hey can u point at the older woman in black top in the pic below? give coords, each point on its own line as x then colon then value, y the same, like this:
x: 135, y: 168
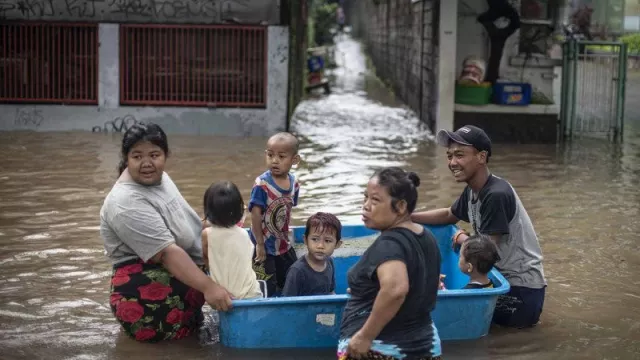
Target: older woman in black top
x: 395, y: 283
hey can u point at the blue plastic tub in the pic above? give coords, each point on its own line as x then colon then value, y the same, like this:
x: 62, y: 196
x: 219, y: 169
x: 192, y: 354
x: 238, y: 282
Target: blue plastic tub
x: 314, y: 321
x: 315, y: 63
x: 512, y: 93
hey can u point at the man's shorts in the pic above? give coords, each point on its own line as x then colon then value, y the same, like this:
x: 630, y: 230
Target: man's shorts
x: 520, y: 307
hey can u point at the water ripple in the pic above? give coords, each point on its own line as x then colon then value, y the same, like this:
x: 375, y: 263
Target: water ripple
x: 583, y: 199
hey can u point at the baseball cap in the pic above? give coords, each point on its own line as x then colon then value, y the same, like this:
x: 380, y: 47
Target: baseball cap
x: 468, y: 135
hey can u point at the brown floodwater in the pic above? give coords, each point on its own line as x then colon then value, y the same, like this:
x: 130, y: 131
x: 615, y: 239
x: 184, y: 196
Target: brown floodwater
x: 583, y: 199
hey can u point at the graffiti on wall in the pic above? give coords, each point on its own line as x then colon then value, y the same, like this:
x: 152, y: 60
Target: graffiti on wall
x: 172, y: 9
x: 27, y: 8
x: 117, y: 125
x: 206, y: 11
x: 30, y: 118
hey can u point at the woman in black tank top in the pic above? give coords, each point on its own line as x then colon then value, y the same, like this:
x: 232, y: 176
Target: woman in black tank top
x: 395, y: 283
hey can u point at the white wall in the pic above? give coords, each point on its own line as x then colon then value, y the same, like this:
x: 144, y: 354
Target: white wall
x: 447, y: 52
x: 472, y: 38
x: 109, y: 115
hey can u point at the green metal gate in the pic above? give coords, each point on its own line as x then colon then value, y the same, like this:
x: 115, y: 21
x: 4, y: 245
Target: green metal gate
x: 593, y: 89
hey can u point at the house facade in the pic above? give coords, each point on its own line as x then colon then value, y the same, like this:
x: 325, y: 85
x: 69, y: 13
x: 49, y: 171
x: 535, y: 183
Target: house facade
x: 191, y: 66
x: 420, y: 46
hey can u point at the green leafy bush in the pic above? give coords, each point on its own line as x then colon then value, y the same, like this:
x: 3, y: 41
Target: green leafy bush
x: 633, y: 43
x: 324, y: 19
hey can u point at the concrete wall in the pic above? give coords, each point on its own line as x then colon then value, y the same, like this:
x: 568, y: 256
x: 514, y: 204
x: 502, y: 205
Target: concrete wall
x: 144, y: 11
x: 109, y: 116
x: 512, y: 127
x: 401, y: 37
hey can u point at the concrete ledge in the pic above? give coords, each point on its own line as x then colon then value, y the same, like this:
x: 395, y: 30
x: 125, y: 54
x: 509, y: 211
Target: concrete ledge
x: 513, y: 128
x: 506, y: 109
x: 535, y: 62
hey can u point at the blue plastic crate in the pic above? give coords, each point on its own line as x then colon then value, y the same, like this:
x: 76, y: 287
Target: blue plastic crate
x: 314, y: 321
x: 512, y: 93
x: 315, y: 63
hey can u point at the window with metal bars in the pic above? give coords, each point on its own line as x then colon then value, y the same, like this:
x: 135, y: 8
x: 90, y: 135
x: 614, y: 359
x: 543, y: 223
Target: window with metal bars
x: 193, y: 65
x: 49, y: 63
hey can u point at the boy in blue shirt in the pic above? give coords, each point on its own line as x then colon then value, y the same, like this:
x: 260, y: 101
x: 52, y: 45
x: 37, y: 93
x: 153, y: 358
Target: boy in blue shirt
x: 273, y: 195
x: 314, y: 273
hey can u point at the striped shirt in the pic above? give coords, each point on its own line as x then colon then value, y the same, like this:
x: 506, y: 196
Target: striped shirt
x: 276, y: 204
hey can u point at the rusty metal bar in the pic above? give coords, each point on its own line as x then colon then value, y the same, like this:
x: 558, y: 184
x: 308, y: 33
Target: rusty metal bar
x: 174, y: 66
x: 194, y: 65
x: 254, y: 71
x: 135, y: 73
x: 235, y: 79
x: 47, y: 62
x: 5, y: 43
x: 124, y: 61
x: 164, y: 83
x: 143, y: 58
x: 86, y: 88
x: 250, y: 72
x: 180, y: 65
x: 64, y: 67
x: 5, y: 60
x: 72, y: 61
x: 215, y: 56
x: 150, y: 72
x: 224, y: 96
x: 265, y: 57
x: 193, y: 68
x: 59, y: 78
x: 93, y: 65
x: 243, y: 55
x: 209, y: 61
x: 11, y: 65
x: 20, y: 77
x: 156, y: 57
x: 188, y: 66
x: 202, y: 69
x: 148, y: 65
x: 31, y: 76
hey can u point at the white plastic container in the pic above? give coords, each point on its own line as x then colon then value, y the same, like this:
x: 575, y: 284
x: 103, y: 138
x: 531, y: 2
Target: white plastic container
x: 473, y: 70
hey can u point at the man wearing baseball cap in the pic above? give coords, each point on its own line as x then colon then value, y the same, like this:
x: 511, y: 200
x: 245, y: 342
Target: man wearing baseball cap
x: 492, y: 207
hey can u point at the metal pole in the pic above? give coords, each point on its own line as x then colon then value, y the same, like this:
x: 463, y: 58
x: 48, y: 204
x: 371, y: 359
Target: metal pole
x: 421, y: 61
x: 622, y: 80
x: 563, y: 91
x: 575, y: 48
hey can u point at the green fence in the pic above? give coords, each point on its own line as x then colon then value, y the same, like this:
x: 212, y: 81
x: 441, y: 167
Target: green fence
x: 593, y: 89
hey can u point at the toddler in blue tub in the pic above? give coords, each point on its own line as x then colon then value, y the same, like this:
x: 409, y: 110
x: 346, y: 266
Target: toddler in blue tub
x: 478, y: 254
x: 314, y: 273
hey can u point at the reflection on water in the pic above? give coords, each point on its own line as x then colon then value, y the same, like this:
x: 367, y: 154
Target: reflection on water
x: 583, y: 200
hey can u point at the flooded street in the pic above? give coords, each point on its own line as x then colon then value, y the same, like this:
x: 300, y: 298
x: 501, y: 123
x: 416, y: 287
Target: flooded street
x: 583, y: 199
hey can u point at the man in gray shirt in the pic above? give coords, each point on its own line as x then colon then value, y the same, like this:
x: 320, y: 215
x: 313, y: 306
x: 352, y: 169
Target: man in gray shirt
x: 493, y: 208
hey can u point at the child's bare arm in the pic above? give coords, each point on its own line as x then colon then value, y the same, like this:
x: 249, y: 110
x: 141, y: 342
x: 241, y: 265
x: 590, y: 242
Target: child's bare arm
x: 256, y: 229
x: 205, y: 249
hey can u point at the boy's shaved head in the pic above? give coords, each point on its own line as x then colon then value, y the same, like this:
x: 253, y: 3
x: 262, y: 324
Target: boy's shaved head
x: 287, y: 138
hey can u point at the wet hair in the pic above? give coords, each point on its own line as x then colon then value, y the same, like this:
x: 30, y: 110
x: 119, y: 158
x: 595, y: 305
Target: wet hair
x: 401, y: 185
x: 223, y: 204
x: 481, y: 252
x: 323, y: 222
x: 150, y: 132
x: 289, y: 138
